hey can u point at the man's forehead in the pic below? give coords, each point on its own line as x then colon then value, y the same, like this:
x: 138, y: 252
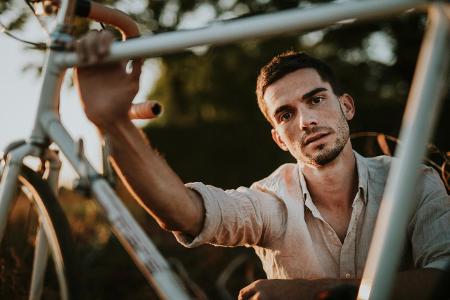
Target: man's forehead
x: 293, y: 86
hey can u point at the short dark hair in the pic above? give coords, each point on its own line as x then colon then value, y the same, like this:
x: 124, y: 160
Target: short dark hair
x: 288, y: 62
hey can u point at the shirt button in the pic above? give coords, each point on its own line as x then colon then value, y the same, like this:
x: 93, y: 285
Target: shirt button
x: 348, y: 276
x: 330, y: 233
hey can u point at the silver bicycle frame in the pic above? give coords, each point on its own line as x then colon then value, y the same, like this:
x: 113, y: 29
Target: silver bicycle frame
x: 418, y: 123
x: 416, y: 129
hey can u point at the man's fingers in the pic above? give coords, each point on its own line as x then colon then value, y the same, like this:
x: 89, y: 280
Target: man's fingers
x: 86, y: 48
x: 91, y: 41
x: 132, y: 67
x: 136, y: 68
x: 105, y: 39
x: 80, y: 49
x: 247, y: 292
x: 94, y: 46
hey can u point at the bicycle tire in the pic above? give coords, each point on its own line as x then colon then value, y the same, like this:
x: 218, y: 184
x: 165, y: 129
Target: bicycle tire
x: 45, y: 207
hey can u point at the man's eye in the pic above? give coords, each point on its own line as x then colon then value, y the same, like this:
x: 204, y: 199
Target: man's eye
x: 285, y: 116
x: 317, y: 99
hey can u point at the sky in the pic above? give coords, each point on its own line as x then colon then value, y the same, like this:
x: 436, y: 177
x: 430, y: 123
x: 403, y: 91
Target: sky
x: 19, y: 92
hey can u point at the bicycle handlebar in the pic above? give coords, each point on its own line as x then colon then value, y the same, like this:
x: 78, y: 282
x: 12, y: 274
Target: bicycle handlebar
x: 124, y: 23
x: 104, y: 14
x: 145, y: 110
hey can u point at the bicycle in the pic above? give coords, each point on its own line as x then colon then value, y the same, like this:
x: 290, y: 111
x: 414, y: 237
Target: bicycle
x: 377, y: 279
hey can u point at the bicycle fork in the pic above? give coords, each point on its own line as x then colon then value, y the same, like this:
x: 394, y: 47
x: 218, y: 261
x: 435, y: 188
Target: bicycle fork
x: 8, y: 192
x: 41, y: 251
x: 8, y: 183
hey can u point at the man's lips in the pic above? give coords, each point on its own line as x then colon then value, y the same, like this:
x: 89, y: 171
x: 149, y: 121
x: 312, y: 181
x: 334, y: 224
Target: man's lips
x: 314, y: 137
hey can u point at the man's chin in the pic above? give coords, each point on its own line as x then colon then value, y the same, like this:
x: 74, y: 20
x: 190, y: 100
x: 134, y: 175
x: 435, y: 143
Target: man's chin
x: 325, y: 159
x: 322, y: 157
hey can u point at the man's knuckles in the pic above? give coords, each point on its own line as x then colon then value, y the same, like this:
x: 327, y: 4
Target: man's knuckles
x: 260, y: 283
x: 94, y: 45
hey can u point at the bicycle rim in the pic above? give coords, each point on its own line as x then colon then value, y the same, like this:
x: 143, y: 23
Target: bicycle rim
x: 36, y: 204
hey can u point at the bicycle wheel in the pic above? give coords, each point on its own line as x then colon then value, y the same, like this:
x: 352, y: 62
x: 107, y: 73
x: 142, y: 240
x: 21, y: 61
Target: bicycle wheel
x: 35, y: 211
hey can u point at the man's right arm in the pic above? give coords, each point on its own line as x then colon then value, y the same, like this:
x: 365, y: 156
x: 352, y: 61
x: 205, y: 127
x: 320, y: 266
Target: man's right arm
x: 154, y: 184
x: 107, y: 92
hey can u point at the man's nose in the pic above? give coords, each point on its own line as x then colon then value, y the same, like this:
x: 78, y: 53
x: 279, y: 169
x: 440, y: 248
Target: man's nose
x: 307, y: 120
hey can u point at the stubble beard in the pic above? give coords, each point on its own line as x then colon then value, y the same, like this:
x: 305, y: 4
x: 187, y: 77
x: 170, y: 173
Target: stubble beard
x: 324, y: 155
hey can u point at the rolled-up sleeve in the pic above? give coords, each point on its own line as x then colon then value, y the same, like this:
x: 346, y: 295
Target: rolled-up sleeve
x: 430, y: 227
x: 241, y: 217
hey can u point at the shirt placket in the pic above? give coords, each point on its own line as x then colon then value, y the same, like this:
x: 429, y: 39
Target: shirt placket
x: 347, y: 268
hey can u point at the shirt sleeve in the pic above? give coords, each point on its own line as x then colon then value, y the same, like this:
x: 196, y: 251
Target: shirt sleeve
x: 241, y: 217
x: 430, y: 226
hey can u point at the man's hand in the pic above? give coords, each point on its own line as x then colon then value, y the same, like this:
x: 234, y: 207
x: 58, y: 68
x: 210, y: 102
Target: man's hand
x: 423, y: 284
x: 272, y: 289
x: 106, y: 90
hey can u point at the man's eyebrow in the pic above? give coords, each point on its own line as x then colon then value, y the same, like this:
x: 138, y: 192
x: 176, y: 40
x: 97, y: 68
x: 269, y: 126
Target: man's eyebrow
x: 280, y: 109
x: 313, y: 92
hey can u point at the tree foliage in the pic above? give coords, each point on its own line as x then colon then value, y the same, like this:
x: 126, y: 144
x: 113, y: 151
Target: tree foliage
x: 375, y: 60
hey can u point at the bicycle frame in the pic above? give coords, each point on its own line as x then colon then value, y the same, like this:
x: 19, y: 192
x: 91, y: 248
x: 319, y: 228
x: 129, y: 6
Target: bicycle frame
x: 420, y: 117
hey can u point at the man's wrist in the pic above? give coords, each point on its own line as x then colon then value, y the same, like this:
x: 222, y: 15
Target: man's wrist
x: 114, y: 127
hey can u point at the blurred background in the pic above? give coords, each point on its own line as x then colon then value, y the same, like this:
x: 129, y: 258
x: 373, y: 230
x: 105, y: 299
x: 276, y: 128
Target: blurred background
x: 211, y: 129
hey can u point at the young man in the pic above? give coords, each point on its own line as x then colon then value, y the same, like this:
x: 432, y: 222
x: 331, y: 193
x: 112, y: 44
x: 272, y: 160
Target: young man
x: 311, y: 222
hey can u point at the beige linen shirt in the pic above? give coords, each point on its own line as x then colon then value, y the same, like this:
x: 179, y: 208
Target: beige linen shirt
x: 277, y: 217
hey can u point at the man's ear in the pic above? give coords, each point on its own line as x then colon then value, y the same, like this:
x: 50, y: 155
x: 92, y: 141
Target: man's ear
x: 276, y: 137
x: 347, y: 106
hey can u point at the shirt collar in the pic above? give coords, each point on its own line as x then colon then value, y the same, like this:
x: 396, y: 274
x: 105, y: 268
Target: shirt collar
x: 361, y: 166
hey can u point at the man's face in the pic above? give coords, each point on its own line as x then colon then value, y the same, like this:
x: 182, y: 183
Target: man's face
x: 309, y: 120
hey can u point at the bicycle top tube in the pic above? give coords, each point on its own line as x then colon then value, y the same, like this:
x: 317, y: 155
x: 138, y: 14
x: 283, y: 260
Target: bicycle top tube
x: 292, y: 20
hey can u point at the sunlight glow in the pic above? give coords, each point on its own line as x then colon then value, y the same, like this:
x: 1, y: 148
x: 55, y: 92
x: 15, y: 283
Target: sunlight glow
x: 380, y: 47
x: 364, y: 290
x: 199, y: 17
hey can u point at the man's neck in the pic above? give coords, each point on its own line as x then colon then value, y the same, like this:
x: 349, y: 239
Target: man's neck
x: 335, y: 184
